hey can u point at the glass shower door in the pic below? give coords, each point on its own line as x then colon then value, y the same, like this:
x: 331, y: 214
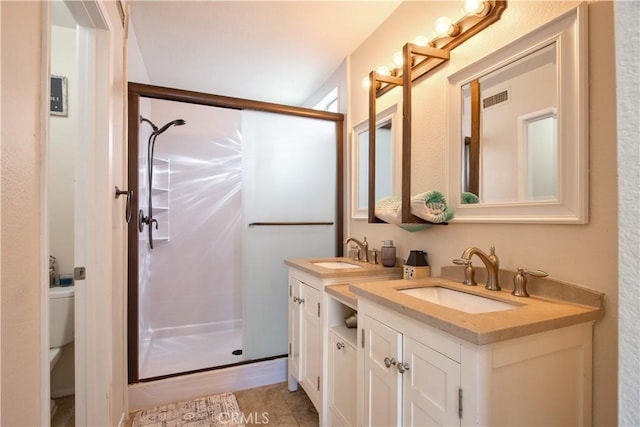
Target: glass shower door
x: 289, y: 177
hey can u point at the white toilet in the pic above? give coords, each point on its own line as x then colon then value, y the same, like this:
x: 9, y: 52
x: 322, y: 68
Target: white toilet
x: 60, y: 321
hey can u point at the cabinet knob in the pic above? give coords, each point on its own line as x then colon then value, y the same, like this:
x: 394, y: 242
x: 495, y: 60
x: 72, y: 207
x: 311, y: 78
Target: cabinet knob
x: 388, y: 362
x: 300, y: 300
x: 295, y: 299
x: 340, y: 345
x: 403, y: 367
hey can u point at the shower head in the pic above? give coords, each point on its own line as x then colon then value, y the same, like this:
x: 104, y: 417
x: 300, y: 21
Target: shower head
x: 154, y: 127
x: 156, y: 131
x: 177, y: 122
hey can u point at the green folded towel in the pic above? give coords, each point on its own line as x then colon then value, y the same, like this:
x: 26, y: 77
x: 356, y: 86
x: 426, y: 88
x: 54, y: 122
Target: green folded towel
x: 431, y: 206
x: 389, y: 209
x: 469, y: 198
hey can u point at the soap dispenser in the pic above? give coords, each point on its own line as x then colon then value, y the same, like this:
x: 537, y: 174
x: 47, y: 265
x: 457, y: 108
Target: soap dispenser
x: 388, y: 253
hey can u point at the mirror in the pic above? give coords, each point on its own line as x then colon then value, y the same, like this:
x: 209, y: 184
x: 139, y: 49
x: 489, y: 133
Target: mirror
x: 515, y: 119
x: 518, y: 141
x: 386, y: 166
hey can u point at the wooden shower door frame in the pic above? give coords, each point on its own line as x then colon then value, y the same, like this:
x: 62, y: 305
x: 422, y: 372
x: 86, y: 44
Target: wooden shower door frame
x: 137, y: 90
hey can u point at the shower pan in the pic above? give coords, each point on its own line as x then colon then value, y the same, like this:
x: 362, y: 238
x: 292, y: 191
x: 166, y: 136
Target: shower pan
x: 233, y: 193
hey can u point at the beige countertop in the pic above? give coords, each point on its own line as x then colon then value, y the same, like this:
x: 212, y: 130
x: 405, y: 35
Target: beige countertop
x: 360, y: 268
x: 531, y: 315
x: 343, y: 293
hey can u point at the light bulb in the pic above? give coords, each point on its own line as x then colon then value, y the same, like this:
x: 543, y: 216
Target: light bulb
x: 383, y: 70
x: 443, y: 26
x: 398, y: 59
x: 474, y: 7
x: 420, y: 41
x: 366, y: 83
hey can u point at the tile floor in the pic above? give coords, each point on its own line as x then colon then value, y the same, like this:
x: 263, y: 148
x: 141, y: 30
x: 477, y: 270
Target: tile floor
x: 273, y: 405
x: 65, y: 415
x: 281, y: 407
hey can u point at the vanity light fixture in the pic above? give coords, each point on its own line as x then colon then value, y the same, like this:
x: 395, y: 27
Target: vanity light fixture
x: 477, y: 15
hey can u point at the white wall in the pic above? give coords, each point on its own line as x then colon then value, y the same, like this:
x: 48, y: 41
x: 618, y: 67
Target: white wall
x: 627, y: 15
x: 583, y: 254
x: 62, y: 153
x: 136, y: 68
x: 21, y: 265
x: 62, y: 156
x: 195, y: 277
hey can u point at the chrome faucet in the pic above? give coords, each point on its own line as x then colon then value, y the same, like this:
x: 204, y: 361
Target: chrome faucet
x: 491, y: 263
x: 364, y: 247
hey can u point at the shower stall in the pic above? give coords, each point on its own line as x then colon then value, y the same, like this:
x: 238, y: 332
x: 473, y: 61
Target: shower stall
x: 226, y: 190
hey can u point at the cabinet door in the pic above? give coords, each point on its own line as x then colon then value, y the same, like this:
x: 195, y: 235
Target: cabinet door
x: 430, y: 386
x: 311, y: 344
x: 294, y: 328
x: 382, y: 383
x: 342, y: 381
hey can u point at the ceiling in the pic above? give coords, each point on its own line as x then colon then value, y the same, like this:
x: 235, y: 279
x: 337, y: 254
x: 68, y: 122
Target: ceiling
x: 272, y: 51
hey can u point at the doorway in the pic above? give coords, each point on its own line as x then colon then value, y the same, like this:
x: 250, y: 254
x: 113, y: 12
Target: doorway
x: 63, y: 140
x: 93, y: 165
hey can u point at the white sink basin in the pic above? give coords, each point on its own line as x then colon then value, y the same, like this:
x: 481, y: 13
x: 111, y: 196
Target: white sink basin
x: 336, y: 265
x: 458, y: 300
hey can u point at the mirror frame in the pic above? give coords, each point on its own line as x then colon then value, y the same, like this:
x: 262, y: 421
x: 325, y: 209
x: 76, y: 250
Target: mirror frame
x: 570, y: 33
x: 393, y: 114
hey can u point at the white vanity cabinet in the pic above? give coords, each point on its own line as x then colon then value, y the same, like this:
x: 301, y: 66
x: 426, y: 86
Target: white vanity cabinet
x: 410, y: 374
x: 407, y: 382
x: 305, y: 337
x: 322, y: 349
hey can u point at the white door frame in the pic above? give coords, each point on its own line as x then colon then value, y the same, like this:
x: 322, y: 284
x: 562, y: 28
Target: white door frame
x: 101, y: 99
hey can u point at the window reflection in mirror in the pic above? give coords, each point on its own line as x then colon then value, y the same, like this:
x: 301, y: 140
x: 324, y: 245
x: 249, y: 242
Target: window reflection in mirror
x: 509, y: 131
x: 386, y: 159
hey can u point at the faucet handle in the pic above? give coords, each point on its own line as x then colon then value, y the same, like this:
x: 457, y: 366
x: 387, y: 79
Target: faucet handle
x: 356, y: 252
x: 374, y: 256
x: 520, y: 281
x: 536, y: 273
x: 469, y: 272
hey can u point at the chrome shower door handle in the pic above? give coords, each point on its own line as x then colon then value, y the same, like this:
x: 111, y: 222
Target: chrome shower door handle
x: 129, y: 194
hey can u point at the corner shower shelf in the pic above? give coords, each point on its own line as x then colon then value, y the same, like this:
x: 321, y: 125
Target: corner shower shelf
x: 160, y: 190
